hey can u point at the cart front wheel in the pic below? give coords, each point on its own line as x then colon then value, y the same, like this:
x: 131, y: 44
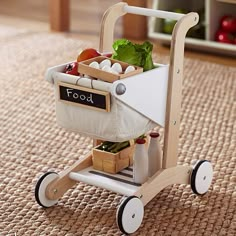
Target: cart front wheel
x: 40, y: 189
x: 201, y: 177
x: 130, y: 214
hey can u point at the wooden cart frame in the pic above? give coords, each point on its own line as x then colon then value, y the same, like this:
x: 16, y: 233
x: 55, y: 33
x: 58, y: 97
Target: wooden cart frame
x: 171, y: 173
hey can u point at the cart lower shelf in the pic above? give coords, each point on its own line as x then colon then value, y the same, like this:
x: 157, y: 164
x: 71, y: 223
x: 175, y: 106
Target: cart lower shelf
x: 51, y: 186
x: 121, y: 183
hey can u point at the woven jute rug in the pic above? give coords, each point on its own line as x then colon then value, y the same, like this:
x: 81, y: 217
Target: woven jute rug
x: 31, y: 144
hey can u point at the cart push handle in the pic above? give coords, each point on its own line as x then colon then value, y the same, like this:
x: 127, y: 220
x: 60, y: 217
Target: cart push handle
x: 152, y: 12
x: 186, y: 21
x: 175, y: 76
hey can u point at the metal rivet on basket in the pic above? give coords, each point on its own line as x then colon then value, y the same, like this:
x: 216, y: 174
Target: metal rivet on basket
x: 120, y: 89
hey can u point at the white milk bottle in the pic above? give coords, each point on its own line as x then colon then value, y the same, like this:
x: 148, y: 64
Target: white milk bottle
x: 154, y: 154
x: 140, y: 166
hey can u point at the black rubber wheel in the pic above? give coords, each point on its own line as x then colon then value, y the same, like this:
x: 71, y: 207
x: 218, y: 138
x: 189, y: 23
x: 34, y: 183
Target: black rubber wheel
x: 201, y: 177
x: 40, y: 189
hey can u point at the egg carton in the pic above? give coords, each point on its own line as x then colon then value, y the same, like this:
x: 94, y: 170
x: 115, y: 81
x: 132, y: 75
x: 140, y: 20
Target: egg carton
x: 107, y: 69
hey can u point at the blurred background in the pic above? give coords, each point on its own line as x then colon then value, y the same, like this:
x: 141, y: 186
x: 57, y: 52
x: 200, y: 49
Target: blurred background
x: 85, y: 15
x: 81, y: 19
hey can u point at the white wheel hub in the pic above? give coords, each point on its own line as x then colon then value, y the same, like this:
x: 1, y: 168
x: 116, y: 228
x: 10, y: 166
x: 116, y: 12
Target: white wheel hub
x: 132, y: 215
x: 44, y: 201
x: 203, y: 177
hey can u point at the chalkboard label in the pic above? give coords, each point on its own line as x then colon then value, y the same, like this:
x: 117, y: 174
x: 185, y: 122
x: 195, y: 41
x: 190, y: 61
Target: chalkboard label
x: 90, y: 98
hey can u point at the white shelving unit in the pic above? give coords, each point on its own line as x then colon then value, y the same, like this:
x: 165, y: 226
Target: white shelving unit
x: 213, y: 10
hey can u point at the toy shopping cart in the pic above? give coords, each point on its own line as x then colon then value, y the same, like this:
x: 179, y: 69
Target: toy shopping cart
x: 117, y: 114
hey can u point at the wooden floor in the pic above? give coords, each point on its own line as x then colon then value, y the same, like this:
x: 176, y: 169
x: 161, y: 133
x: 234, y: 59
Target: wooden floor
x: 85, y: 22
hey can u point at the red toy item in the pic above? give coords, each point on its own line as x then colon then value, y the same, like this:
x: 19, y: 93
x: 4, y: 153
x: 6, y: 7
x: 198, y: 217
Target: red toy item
x: 88, y: 53
x: 228, y: 24
x: 72, y: 69
x: 224, y: 37
x: 227, y: 30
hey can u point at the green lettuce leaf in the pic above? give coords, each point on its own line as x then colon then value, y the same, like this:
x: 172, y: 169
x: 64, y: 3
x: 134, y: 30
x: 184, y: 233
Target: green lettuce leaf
x: 135, y: 54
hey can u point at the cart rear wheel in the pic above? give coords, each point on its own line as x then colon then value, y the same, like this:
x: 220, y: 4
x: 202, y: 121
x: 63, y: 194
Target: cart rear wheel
x: 201, y: 177
x: 130, y: 214
x: 40, y: 189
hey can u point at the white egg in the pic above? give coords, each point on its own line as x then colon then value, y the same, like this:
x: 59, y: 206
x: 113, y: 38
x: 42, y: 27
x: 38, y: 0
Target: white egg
x: 105, y: 62
x: 94, y: 64
x: 114, y: 71
x: 129, y: 69
x: 117, y: 67
x: 107, y: 68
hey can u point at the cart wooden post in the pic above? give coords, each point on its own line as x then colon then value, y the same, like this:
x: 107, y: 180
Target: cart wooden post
x: 173, y: 106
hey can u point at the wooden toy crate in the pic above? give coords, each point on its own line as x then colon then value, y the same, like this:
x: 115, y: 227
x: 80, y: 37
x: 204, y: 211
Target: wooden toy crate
x: 112, y: 162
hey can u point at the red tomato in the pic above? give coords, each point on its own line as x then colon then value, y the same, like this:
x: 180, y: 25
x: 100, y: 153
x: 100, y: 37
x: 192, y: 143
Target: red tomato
x: 72, y: 69
x: 228, y: 24
x: 224, y: 37
x: 87, y: 54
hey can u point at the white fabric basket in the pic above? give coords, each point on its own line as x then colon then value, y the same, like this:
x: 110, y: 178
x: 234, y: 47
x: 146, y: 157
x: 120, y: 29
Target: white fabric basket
x: 120, y: 124
x: 130, y: 115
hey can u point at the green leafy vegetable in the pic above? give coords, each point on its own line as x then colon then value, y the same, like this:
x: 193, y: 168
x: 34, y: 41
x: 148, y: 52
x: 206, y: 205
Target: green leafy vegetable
x: 135, y: 54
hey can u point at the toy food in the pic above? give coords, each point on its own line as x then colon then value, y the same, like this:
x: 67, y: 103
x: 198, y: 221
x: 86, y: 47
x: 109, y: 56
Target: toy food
x: 94, y: 64
x: 87, y: 54
x: 226, y: 32
x: 107, y: 69
x: 105, y: 62
x: 114, y: 68
x: 113, y: 147
x: 129, y: 69
x: 134, y: 54
x: 224, y: 37
x: 72, y: 69
x: 117, y: 67
x: 228, y: 24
